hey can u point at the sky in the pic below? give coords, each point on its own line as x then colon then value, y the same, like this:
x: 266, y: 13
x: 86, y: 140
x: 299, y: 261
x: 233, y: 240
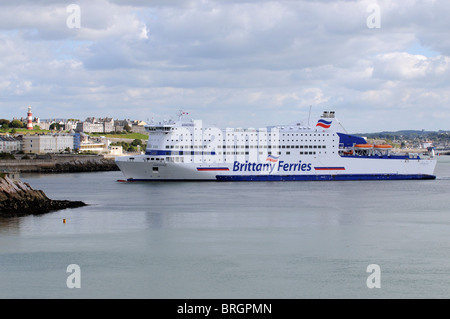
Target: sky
x: 380, y: 65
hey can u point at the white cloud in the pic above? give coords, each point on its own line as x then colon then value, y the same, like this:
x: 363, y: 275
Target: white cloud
x: 405, y: 66
x: 228, y: 61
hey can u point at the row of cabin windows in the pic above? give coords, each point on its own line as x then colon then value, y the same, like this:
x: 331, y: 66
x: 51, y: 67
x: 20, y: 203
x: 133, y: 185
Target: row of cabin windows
x: 247, y: 146
x: 247, y: 136
x: 232, y: 153
x: 269, y: 153
x: 177, y: 159
x: 275, y: 134
x: 247, y: 141
x: 247, y: 153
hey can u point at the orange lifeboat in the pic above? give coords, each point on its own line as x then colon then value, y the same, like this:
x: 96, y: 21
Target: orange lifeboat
x: 364, y: 146
x: 383, y: 146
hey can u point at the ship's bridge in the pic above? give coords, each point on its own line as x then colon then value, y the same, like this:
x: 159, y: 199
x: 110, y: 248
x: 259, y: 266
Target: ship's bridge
x: 158, y: 128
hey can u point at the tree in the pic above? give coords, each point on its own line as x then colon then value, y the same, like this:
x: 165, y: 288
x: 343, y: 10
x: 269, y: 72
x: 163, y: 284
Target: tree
x: 16, y: 124
x: 4, y: 121
x: 55, y: 126
x: 127, y: 128
x: 136, y: 142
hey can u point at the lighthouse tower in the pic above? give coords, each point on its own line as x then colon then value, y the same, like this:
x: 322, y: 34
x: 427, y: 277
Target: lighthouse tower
x: 29, y: 119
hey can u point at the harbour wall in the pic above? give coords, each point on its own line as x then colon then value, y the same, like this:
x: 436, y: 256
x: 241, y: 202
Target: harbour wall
x: 60, y: 163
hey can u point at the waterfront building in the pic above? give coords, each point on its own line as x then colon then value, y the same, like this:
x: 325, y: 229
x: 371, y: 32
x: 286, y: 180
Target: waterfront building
x: 85, y: 143
x: 48, y: 143
x: 96, y: 147
x: 76, y: 141
x: 9, y: 144
x: 427, y: 144
x: 116, y: 150
x: 139, y: 127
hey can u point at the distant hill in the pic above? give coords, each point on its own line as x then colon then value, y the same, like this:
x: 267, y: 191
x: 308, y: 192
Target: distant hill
x: 407, y: 134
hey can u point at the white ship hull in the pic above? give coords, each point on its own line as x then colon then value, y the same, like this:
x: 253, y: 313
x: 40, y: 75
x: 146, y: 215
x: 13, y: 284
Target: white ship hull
x: 141, y: 169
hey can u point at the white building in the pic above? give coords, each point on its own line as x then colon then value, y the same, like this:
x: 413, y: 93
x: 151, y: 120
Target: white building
x: 94, y: 125
x: 9, y: 144
x: 98, y: 147
x: 116, y: 150
x: 50, y: 143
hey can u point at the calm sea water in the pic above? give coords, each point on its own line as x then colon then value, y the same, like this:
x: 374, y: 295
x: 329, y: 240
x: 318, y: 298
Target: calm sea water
x: 231, y: 240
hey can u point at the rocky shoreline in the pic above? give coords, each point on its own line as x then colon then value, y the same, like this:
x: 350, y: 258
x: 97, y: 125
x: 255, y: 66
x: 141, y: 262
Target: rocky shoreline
x: 76, y: 166
x: 19, y: 199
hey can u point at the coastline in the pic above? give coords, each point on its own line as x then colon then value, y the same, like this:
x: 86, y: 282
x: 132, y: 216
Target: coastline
x: 60, y: 163
x: 18, y: 199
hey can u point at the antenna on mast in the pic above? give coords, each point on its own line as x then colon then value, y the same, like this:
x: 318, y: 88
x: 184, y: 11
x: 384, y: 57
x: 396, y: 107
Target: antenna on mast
x: 309, y: 116
x: 181, y: 113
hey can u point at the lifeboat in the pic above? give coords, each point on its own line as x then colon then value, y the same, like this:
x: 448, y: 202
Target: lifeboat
x: 363, y: 146
x: 383, y: 146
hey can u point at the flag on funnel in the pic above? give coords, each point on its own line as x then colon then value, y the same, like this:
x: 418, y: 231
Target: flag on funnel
x: 323, y: 123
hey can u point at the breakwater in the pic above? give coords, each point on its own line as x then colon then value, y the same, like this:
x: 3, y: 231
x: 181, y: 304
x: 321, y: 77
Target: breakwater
x: 60, y: 163
x: 19, y: 199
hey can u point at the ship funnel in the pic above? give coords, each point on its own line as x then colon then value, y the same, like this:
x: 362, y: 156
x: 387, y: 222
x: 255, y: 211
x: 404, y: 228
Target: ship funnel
x: 328, y: 114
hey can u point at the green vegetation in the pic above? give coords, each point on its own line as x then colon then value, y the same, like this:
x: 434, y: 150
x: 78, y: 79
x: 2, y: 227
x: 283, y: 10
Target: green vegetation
x: 17, y: 127
x: 14, y: 124
x: 127, y: 128
x: 33, y: 131
x: 131, y: 147
x: 6, y: 156
x: 55, y: 126
x: 138, y: 136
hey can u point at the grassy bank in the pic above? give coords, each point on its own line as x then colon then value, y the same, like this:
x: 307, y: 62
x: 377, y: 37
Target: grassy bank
x: 25, y: 131
x: 134, y: 136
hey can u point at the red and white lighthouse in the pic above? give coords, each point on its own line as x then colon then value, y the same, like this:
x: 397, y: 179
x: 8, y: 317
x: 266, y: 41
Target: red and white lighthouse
x: 29, y: 119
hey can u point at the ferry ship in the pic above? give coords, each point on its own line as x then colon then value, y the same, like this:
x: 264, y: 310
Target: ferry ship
x: 314, y: 150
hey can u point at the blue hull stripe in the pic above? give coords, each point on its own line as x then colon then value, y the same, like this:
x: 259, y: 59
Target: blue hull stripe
x: 340, y: 177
